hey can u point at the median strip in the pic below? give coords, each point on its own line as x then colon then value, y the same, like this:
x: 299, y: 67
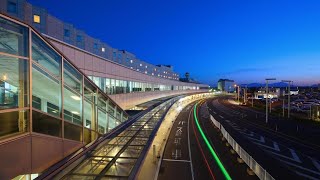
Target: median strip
x: 216, y: 158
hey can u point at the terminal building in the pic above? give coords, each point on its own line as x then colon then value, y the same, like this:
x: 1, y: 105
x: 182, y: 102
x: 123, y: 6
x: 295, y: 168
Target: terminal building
x: 61, y: 89
x: 226, y: 85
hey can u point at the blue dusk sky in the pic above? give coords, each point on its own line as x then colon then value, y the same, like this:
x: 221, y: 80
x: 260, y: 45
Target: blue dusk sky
x: 246, y: 41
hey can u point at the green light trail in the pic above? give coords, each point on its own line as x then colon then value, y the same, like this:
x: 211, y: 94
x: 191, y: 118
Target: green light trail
x: 216, y: 158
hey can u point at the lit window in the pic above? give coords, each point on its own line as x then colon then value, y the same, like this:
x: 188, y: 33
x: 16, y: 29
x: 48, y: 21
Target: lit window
x: 155, y: 69
x: 36, y: 18
x: 131, y: 61
x: 146, y: 72
x: 152, y: 74
x: 146, y: 66
x: 137, y: 69
x: 140, y: 64
x: 103, y: 49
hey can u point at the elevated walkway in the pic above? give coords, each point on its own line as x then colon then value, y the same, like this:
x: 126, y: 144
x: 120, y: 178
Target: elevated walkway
x: 117, y: 155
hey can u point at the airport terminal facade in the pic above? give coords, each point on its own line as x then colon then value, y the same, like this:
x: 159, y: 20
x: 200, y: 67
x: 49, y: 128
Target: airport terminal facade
x: 58, y: 94
x: 118, y: 72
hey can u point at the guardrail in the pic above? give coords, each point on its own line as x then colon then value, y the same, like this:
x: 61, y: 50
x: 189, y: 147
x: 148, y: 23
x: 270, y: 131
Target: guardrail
x: 249, y: 160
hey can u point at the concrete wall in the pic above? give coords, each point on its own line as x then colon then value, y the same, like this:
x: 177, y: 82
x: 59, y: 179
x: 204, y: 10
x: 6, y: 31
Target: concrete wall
x: 129, y: 100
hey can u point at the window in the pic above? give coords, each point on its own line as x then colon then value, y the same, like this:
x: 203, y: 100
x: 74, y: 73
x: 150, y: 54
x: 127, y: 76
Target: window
x: 47, y: 99
x: 103, y: 49
x: 66, y: 32
x: 36, y: 18
x: 13, y: 38
x: 95, y: 46
x: 12, y: 7
x: 13, y: 82
x: 43, y: 55
x: 131, y: 61
x: 79, y: 38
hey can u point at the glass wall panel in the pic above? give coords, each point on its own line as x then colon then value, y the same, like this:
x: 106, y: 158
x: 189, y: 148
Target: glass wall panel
x: 89, y: 90
x: 102, y: 102
x: 113, y: 85
x: 46, y: 124
x: 72, y: 106
x: 72, y: 131
x: 45, y: 56
x: 102, y: 121
x: 14, y: 82
x: 46, y: 92
x: 108, y: 87
x: 13, y: 38
x: 88, y: 115
x: 112, y: 122
x: 72, y: 77
x: 14, y: 122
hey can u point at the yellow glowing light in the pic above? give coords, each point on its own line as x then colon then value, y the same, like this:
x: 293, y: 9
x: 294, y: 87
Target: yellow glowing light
x: 4, y: 77
x: 36, y: 18
x: 77, y: 98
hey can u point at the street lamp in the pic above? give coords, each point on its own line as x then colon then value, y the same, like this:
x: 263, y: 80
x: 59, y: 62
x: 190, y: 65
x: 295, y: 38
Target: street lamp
x: 267, y: 80
x: 288, y: 81
x: 238, y: 92
x: 245, y: 94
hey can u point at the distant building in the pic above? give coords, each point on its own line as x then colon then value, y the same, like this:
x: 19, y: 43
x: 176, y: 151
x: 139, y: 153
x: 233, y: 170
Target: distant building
x: 187, y: 78
x: 226, y: 85
x: 272, y: 93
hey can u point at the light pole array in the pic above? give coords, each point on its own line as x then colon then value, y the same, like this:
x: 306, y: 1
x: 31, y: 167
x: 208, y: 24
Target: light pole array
x: 288, y: 81
x: 267, y: 80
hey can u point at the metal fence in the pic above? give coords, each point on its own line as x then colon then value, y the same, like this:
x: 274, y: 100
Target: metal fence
x: 249, y: 160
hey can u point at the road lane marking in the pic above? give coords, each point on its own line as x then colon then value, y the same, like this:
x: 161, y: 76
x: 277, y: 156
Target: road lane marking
x: 219, y: 163
x: 221, y: 116
x: 300, y: 167
x: 275, y: 146
x: 293, y: 158
x: 176, y: 160
x: 191, y: 166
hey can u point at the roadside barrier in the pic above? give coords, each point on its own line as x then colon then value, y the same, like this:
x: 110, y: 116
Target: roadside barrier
x: 249, y: 160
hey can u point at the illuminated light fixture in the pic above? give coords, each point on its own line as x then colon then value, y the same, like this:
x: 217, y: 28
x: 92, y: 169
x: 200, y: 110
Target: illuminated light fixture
x: 131, y: 67
x: 140, y: 64
x: 216, y: 158
x: 137, y: 69
x: 103, y: 49
x: 152, y: 74
x: 4, y: 77
x: 146, y: 72
x: 36, y: 18
x: 77, y: 98
x: 75, y: 112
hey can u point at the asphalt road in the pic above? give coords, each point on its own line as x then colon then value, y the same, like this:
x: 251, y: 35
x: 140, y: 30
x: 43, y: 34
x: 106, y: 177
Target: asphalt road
x: 297, y: 158
x: 186, y: 155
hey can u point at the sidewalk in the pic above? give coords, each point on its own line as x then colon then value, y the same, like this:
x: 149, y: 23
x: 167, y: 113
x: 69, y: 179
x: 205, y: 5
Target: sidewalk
x: 151, y: 165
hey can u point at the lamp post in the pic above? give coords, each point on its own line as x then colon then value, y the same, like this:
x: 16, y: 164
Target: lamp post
x: 238, y: 92
x: 288, y: 81
x: 267, y: 80
x: 245, y: 94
